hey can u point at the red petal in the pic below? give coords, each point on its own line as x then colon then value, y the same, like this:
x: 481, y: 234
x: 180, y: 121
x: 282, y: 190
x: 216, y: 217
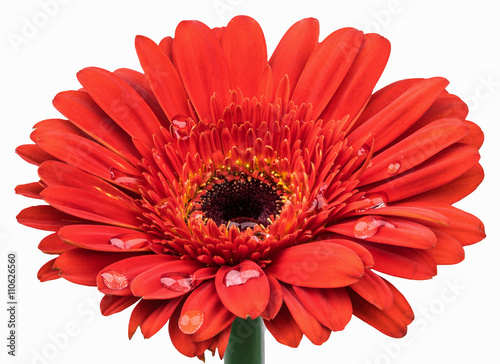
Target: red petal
x: 185, y: 343
x: 82, y: 111
x: 455, y: 190
x: 114, y: 304
x: 236, y: 284
x: 91, y: 206
x: 105, y: 238
x: 163, y: 78
x: 128, y: 269
x: 326, y: 69
x: 399, y: 114
x: 46, y: 218
x: 415, y: 149
x: 141, y: 311
x: 475, y: 136
x: 391, y: 231
x: 402, y: 262
x: 358, y: 84
x: 408, y: 212
x: 139, y: 83
x: 198, y: 56
x: 464, y: 227
x: 121, y: 102
x: 220, y: 342
x: 293, y: 52
x: 33, y: 154
x: 246, y: 53
x: 392, y: 321
x: 314, y: 331
x: 81, y: 266
x: 85, y: 154
x: 58, y: 174
x: 284, y: 328
x: 215, y: 317
x: 52, y: 244
x: 31, y: 190
x: 59, y: 125
x: 374, y: 290
x: 330, y: 306
x: 159, y: 317
x: 275, y: 299
x: 319, y: 265
x: 363, y: 254
x: 47, y: 272
x: 149, y: 286
x: 444, y: 167
x: 447, y: 250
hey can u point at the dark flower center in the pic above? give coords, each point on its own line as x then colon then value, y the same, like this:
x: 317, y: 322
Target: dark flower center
x: 245, y: 201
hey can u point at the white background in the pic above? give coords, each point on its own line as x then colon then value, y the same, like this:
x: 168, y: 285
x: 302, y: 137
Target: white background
x: 454, y: 39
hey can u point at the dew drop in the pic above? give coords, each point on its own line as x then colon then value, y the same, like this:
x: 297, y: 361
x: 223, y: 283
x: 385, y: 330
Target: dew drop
x: 124, y: 179
x: 240, y: 275
x: 243, y: 223
x: 177, y: 282
x: 114, y: 280
x: 129, y: 241
x: 368, y: 226
x: 363, y: 150
x: 191, y: 321
x: 393, y: 168
x: 319, y: 201
x: 373, y: 201
x: 180, y: 129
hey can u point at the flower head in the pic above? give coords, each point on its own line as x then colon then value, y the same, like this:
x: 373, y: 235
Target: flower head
x: 220, y: 184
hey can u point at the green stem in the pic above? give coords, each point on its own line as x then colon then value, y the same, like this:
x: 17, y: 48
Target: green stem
x: 246, y: 342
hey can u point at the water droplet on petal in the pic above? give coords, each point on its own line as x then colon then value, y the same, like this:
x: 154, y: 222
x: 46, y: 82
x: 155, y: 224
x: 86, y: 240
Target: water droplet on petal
x: 243, y: 223
x: 394, y: 168
x: 114, y: 280
x: 319, y: 202
x: 180, y: 128
x: 240, y: 275
x: 373, y: 201
x: 363, y: 150
x: 177, y: 282
x: 129, y: 241
x: 191, y: 321
x: 368, y: 226
x: 124, y: 179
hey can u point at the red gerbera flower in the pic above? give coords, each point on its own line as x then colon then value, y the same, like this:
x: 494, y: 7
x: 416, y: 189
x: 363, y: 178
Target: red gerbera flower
x: 220, y: 184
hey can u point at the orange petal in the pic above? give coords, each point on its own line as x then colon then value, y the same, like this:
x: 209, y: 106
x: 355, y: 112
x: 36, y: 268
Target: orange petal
x: 92, y: 206
x: 246, y: 54
x: 293, y: 52
x: 313, y: 330
x: 284, y: 328
x: 212, y: 317
x: 392, y: 321
x: 47, y: 272
x: 114, y: 304
x: 115, y: 279
x: 317, y: 264
x: 81, y: 266
x: 46, y: 218
x: 358, y: 84
x: 121, y: 102
x: 82, y: 111
x: 198, y: 57
x: 168, y: 280
x: 326, y: 69
x: 235, y: 284
x: 402, y: 262
x: 330, y: 306
x: 373, y: 289
x: 163, y: 78
x: 52, y: 244
x: 275, y: 299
